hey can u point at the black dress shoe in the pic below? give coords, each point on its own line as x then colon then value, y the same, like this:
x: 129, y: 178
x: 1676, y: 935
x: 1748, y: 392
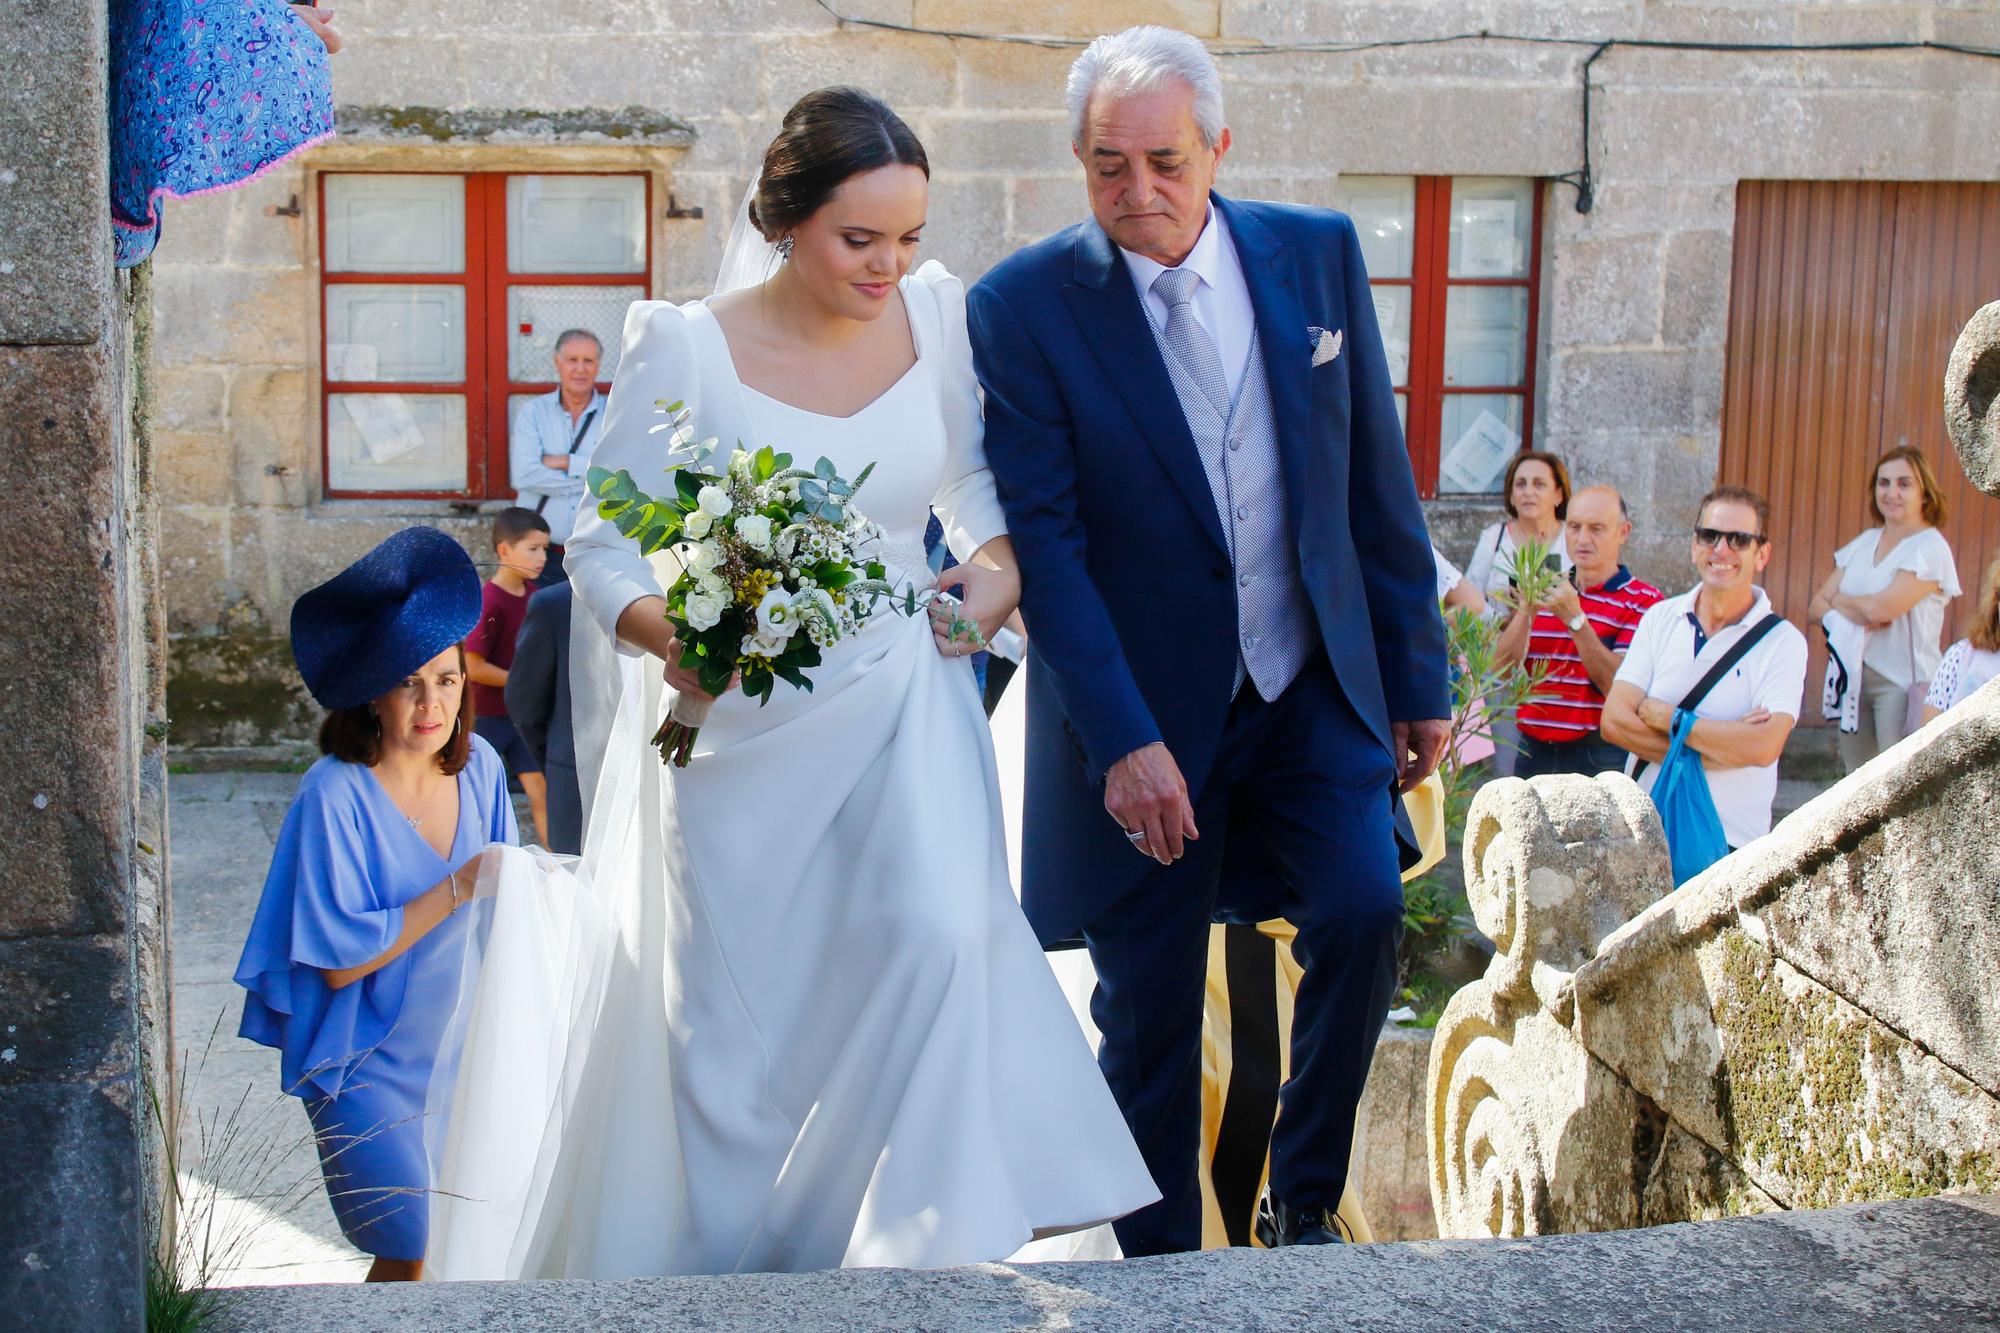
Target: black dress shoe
x: 1278, y: 1223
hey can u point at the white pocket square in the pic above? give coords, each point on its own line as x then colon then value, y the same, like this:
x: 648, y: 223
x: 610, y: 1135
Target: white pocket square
x: 1326, y: 345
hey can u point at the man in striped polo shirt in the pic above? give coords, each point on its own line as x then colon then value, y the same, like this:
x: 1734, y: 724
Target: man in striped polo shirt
x: 1579, y: 632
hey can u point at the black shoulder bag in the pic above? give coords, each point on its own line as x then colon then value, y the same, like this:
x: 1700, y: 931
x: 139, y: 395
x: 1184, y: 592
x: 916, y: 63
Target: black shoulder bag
x: 574, y: 441
x: 1723, y: 666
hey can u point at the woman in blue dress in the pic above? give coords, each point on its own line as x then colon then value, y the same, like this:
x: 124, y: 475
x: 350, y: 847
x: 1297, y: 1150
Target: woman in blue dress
x: 353, y: 960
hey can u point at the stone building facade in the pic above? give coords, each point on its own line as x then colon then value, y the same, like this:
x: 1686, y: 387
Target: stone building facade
x: 1619, y: 365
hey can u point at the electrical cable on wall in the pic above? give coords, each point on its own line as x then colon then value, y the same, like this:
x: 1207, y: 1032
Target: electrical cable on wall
x: 1581, y: 180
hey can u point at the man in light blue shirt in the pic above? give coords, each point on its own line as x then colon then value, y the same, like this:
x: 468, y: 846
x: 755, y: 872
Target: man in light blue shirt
x: 553, y: 438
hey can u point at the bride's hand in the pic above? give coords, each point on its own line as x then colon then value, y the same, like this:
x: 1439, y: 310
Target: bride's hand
x: 987, y: 597
x: 684, y: 678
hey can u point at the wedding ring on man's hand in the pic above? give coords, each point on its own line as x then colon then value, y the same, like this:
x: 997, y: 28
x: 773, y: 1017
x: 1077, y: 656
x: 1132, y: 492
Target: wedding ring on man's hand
x: 1136, y: 836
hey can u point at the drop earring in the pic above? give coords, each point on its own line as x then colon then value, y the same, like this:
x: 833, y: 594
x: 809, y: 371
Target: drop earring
x: 784, y: 248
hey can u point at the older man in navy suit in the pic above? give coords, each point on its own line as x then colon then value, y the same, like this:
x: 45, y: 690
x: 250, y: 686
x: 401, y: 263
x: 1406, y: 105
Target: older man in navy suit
x: 1229, y: 589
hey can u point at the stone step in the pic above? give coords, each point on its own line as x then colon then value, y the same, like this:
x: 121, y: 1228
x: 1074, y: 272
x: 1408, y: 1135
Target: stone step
x: 1912, y: 1264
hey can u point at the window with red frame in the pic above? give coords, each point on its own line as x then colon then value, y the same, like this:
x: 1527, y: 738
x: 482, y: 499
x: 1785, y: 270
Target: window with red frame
x: 1455, y: 265
x: 441, y: 298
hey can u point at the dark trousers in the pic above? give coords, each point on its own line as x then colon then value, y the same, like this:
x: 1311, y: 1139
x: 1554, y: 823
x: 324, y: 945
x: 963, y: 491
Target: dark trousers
x: 998, y: 672
x: 565, y: 804
x: 1305, y: 778
x: 1588, y: 755
x: 553, y: 572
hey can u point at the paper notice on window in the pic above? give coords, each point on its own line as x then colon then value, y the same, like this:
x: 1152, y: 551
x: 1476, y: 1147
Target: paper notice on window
x: 1395, y: 338
x: 351, y: 361
x: 1473, y: 465
x: 1487, y: 244
x: 387, y: 428
x: 1398, y: 350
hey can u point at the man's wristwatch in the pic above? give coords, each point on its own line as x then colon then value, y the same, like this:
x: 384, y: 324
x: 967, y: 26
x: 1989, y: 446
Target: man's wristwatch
x: 1577, y: 621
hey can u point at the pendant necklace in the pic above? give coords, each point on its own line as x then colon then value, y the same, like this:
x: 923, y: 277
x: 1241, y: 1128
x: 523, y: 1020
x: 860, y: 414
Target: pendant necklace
x: 416, y: 821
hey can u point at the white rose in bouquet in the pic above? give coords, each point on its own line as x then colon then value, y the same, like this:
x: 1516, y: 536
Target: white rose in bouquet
x: 759, y: 645
x: 715, y: 501
x: 698, y: 523
x: 704, y: 558
x: 704, y: 609
x: 755, y: 530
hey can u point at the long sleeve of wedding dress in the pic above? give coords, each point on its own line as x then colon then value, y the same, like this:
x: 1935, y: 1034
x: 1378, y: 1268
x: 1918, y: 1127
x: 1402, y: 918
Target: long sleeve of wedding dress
x: 966, y: 503
x: 656, y: 361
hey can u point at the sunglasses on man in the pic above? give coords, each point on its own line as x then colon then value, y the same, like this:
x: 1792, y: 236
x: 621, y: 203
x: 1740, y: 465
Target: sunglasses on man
x: 1738, y: 541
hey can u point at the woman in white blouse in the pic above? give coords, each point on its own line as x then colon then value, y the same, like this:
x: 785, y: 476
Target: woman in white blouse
x: 1536, y: 494
x: 1974, y: 659
x: 1893, y: 582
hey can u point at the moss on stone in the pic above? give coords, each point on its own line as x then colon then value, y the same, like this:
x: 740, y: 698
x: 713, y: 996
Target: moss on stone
x: 236, y: 687
x: 630, y: 125
x: 1794, y: 1090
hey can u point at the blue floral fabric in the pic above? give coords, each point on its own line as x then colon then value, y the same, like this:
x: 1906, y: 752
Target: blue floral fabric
x: 205, y: 95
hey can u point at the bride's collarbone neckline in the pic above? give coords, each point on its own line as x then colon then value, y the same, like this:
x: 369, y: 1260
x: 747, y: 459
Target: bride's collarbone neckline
x: 838, y: 376
x: 837, y: 393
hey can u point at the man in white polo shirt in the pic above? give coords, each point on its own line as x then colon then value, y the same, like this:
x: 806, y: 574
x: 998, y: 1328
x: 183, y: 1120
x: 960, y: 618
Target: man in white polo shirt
x: 1742, y: 723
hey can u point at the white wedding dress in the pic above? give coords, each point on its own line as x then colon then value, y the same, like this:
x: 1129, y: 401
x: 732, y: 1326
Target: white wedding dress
x: 787, y: 1013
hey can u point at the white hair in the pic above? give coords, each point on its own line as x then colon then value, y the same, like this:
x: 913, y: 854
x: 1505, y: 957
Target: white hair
x: 1143, y: 60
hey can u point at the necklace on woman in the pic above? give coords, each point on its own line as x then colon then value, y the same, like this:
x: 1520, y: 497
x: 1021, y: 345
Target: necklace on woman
x: 416, y: 821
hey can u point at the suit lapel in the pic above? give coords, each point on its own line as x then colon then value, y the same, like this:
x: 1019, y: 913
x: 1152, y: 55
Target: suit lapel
x: 1105, y: 305
x: 1271, y: 270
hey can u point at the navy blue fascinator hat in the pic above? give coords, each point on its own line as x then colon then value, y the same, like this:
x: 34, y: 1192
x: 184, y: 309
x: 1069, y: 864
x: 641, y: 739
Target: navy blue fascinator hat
x: 356, y: 636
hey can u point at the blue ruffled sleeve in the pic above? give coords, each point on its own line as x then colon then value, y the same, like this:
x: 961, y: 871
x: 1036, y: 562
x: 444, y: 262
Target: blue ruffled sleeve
x: 323, y: 906
x: 334, y: 899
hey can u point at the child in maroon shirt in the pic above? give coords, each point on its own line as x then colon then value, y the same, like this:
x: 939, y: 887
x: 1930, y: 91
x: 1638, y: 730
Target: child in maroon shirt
x: 521, y: 541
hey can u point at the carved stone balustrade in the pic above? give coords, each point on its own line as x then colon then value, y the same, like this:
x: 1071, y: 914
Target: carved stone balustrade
x: 1814, y: 1020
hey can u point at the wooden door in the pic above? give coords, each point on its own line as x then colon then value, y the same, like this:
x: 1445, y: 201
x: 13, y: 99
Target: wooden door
x: 1844, y: 303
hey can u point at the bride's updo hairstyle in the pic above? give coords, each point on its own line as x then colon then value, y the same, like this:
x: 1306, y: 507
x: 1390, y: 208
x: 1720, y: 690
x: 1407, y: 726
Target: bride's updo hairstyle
x: 828, y: 137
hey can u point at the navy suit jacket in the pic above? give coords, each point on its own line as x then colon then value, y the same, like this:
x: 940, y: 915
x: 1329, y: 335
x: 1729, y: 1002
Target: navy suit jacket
x: 1126, y: 587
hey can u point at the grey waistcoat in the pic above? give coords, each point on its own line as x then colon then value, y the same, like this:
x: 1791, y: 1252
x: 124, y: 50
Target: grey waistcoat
x: 1275, y: 629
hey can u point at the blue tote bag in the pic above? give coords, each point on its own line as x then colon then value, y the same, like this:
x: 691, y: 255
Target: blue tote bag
x: 1695, y: 840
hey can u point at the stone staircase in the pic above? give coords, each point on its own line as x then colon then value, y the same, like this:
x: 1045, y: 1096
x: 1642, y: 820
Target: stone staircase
x: 1919, y: 1264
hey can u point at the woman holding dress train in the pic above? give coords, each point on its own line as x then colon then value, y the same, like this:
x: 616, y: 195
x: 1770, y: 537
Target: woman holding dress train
x: 352, y: 960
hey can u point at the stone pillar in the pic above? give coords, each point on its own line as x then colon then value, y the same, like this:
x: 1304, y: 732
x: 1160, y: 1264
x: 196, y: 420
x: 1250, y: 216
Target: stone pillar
x: 82, y: 991
x: 1972, y: 398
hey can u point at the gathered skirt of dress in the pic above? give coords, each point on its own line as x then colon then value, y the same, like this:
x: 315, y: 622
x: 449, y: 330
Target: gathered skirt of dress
x: 791, y: 1016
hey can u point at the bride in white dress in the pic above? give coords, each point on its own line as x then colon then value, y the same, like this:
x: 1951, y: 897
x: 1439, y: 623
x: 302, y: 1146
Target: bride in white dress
x: 823, y: 1035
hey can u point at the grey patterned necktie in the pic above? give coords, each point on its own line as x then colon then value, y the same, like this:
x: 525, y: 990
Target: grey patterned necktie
x: 1188, y: 341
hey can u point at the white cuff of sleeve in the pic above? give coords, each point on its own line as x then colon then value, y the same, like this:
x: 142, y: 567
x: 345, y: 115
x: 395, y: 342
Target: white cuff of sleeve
x: 1009, y: 644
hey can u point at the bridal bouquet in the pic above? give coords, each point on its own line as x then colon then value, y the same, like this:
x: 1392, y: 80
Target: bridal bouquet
x: 774, y: 566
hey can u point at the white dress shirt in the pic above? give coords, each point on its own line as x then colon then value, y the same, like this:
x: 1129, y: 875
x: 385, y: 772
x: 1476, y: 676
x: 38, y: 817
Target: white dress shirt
x: 542, y: 425
x: 1221, y: 300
